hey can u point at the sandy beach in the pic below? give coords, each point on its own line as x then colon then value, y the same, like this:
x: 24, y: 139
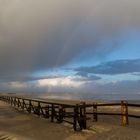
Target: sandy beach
x: 17, y: 125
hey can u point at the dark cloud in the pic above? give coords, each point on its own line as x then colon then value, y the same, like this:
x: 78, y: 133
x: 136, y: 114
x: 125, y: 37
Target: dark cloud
x: 37, y: 35
x: 26, y: 78
x: 113, y: 67
x: 83, y: 76
x: 87, y: 79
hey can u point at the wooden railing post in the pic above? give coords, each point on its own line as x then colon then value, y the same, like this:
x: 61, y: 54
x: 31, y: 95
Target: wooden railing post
x: 39, y: 108
x: 11, y: 101
x: 14, y: 101
x: 61, y: 114
x: 23, y: 104
x: 29, y: 108
x: 82, y: 119
x: 18, y: 103
x: 95, y: 117
x: 47, y: 112
x: 52, y: 113
x: 75, y: 118
x: 124, y: 110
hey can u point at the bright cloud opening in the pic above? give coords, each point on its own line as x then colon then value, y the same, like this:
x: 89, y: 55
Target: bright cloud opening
x: 65, y: 81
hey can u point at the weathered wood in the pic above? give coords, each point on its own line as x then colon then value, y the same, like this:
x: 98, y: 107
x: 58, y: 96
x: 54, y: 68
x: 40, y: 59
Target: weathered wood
x: 134, y: 116
x: 133, y: 105
x: 52, y: 113
x: 82, y: 119
x: 108, y: 104
x: 47, y: 112
x: 61, y: 114
x: 124, y: 109
x: 104, y: 113
x: 95, y: 117
x: 37, y: 109
x: 75, y: 118
x: 68, y: 121
x: 29, y: 109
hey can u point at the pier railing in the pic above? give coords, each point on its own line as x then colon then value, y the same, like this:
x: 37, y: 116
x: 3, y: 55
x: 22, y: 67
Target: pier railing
x: 74, y: 114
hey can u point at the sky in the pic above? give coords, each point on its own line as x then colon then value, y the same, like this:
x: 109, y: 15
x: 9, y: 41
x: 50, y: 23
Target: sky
x: 70, y: 48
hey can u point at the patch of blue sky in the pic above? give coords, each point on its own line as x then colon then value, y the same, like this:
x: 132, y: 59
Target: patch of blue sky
x: 78, y: 62
x: 95, y: 55
x: 129, y: 49
x: 53, y: 72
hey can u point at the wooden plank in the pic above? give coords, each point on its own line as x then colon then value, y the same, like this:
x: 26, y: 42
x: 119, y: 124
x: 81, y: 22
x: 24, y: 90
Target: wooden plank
x: 108, y: 104
x: 133, y: 105
x: 134, y: 116
x: 68, y: 121
x: 104, y: 113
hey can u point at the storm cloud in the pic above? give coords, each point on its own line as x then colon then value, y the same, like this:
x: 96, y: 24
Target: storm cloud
x: 43, y: 34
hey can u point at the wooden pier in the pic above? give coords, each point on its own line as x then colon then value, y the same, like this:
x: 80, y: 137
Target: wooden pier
x: 74, y: 114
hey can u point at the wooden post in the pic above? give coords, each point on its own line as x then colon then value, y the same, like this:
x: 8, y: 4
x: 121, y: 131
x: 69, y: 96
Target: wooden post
x: 23, y: 104
x: 29, y: 108
x: 75, y: 118
x: 52, y: 113
x: 124, y: 110
x: 15, y: 102
x: 18, y: 103
x: 82, y: 119
x: 84, y: 116
x: 11, y: 101
x: 38, y: 109
x: 61, y: 114
x: 95, y: 117
x: 47, y: 112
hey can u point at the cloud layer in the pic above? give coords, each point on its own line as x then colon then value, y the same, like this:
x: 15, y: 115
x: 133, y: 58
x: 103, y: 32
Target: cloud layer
x: 113, y: 67
x: 43, y: 34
